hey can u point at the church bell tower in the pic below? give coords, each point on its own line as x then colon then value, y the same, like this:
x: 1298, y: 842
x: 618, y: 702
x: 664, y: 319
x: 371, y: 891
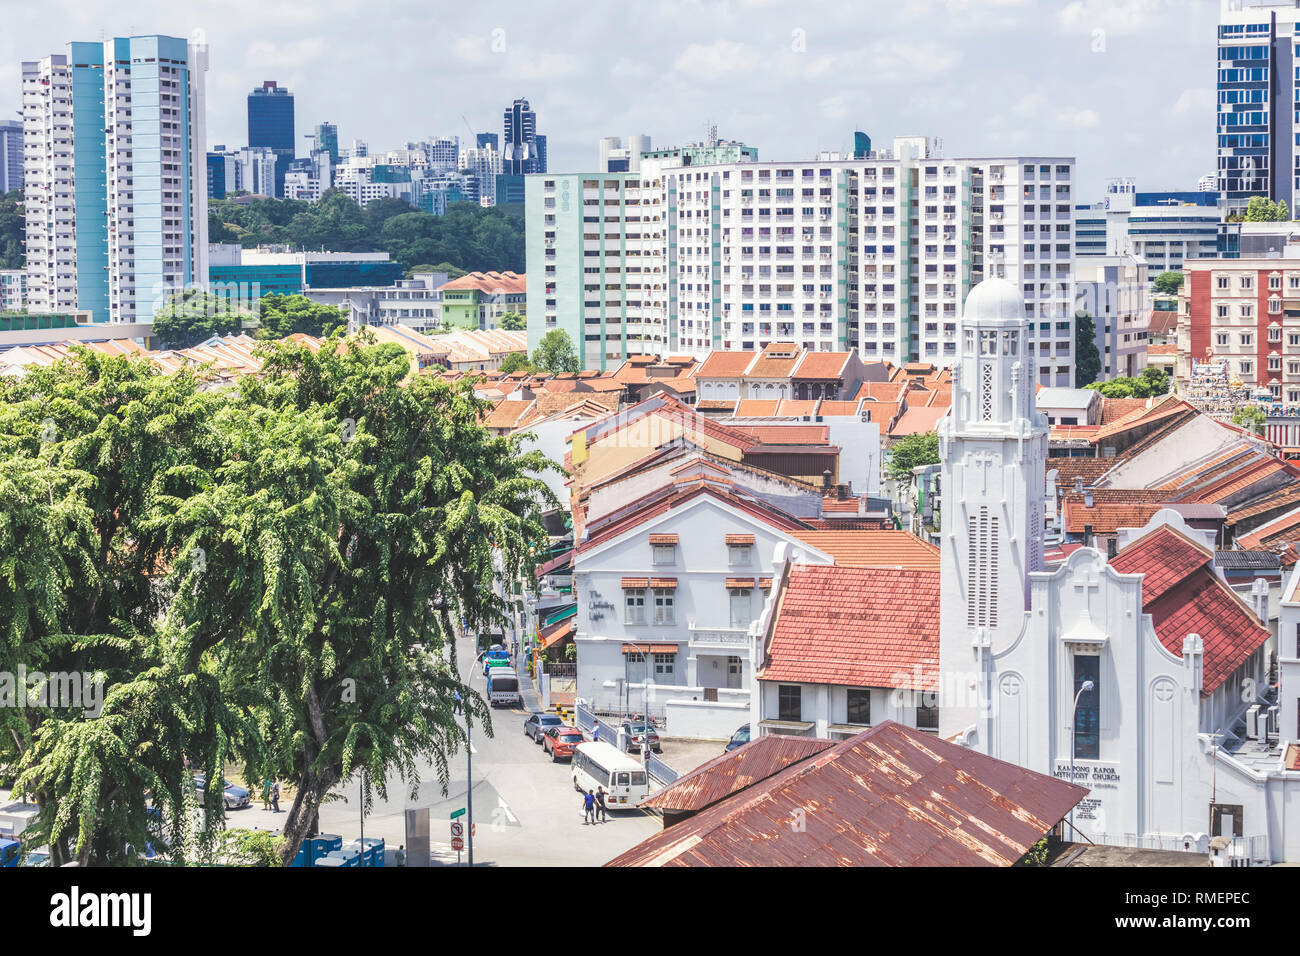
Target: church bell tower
x: 993, y: 445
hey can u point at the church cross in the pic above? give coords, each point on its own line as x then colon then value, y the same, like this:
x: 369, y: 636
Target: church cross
x: 983, y: 461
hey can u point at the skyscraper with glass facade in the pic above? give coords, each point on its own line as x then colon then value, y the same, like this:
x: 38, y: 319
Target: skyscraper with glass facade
x: 1256, y: 122
x: 522, y: 150
x: 270, y: 124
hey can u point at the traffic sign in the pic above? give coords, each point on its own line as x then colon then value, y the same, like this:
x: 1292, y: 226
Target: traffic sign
x: 457, y: 844
x: 457, y: 813
x: 457, y: 829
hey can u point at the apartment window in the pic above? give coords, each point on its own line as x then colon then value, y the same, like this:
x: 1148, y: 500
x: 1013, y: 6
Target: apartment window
x: 741, y: 554
x: 741, y: 607
x: 664, y: 613
x: 1247, y: 283
x: 859, y: 705
x: 634, y: 601
x: 1221, y: 282
x: 789, y: 702
x: 664, y: 552
x: 1087, y: 715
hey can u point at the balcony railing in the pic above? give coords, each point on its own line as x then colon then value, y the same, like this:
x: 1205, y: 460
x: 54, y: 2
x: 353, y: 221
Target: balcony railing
x: 736, y: 638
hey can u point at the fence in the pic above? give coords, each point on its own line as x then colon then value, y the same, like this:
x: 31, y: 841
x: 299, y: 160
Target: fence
x: 659, y: 771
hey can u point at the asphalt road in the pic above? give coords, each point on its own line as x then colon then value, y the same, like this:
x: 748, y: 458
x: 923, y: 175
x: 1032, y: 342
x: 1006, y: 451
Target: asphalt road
x: 526, y: 812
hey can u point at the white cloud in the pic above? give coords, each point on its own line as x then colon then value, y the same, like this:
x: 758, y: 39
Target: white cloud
x: 547, y: 66
x: 1195, y: 102
x: 716, y: 59
x: 1113, y: 16
x: 284, y: 56
x: 1076, y: 118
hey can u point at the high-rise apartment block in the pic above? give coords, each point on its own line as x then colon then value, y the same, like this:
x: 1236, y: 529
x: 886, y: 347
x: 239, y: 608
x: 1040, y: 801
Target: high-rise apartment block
x: 116, y: 179
x: 873, y: 254
x: 617, y: 158
x: 11, y: 155
x: 1257, y: 87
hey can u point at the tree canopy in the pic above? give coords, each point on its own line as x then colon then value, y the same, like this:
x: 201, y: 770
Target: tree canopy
x: 555, y: 353
x: 1153, y: 381
x: 513, y: 322
x: 1087, y: 358
x: 282, y: 315
x: 1251, y: 417
x: 12, y: 230
x: 467, y: 238
x: 913, y: 451
x: 194, y: 316
x: 265, y: 575
x: 1262, y: 209
x: 1168, y: 283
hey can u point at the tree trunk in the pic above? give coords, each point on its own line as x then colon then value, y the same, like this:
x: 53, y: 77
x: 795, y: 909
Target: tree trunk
x: 303, y: 814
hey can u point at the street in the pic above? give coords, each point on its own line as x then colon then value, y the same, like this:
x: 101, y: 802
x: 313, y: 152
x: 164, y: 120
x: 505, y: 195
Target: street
x: 526, y: 812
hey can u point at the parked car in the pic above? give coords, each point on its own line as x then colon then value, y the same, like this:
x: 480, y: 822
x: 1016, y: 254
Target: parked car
x: 234, y: 797
x: 538, y: 724
x: 560, y: 741
x: 738, y: 739
x: 636, y: 736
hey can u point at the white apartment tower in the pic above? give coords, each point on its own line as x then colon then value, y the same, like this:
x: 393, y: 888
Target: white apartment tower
x: 115, y: 159
x: 873, y: 254
x: 993, y: 446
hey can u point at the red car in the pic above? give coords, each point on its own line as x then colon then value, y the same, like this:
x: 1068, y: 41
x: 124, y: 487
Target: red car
x: 560, y: 741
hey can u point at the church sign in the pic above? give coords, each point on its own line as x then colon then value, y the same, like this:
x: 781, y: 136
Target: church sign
x: 1101, y: 777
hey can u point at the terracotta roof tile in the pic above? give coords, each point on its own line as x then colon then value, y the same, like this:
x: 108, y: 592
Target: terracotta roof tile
x: 861, y: 627
x: 874, y: 549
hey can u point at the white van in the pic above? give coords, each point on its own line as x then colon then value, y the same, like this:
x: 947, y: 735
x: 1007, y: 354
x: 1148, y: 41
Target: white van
x: 604, y: 765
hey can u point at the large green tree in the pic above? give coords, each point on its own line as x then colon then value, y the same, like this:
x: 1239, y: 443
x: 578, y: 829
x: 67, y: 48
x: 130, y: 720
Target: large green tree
x: 282, y: 315
x: 1153, y: 381
x: 193, y: 316
x: 913, y: 451
x: 555, y: 353
x: 513, y: 322
x: 1087, y: 359
x: 1168, y: 283
x: 265, y: 575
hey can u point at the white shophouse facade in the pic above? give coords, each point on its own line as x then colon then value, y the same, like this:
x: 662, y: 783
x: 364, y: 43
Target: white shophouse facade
x: 673, y: 602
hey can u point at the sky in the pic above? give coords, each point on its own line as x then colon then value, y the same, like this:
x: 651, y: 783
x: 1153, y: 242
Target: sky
x: 1125, y: 86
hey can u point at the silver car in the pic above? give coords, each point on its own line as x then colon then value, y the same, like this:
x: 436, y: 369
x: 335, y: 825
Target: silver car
x: 232, y: 796
x: 537, y: 724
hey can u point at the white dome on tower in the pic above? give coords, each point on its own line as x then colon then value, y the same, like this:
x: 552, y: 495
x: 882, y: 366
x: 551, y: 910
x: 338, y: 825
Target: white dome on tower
x: 995, y: 299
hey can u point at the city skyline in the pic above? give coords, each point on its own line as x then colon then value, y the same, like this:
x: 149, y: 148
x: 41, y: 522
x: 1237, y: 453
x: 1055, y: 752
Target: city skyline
x: 791, y: 83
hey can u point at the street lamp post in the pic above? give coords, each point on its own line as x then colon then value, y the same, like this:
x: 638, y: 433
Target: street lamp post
x: 1074, y: 727
x: 469, y: 773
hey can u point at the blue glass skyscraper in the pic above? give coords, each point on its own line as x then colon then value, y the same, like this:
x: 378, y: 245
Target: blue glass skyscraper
x: 270, y: 123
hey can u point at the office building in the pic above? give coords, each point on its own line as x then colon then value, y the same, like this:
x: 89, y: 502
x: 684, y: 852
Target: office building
x: 13, y: 290
x: 327, y: 138
x: 482, y: 140
x: 617, y: 158
x: 1115, y: 291
x: 1256, y: 83
x: 1164, y: 228
x: 270, y: 125
x: 484, y: 165
x: 521, y: 152
x: 11, y: 155
x: 116, y: 179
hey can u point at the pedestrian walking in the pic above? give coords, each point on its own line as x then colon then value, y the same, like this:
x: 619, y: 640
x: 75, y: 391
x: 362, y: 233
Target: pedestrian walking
x: 399, y: 858
x: 455, y: 700
x: 266, y: 794
x: 588, y: 808
x: 275, y: 797
x: 600, y: 804
x: 595, y: 733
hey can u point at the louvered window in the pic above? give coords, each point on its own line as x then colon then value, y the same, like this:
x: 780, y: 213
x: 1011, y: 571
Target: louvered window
x: 982, y: 571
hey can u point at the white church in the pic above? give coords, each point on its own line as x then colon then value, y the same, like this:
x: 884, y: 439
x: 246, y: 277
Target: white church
x: 1145, y: 678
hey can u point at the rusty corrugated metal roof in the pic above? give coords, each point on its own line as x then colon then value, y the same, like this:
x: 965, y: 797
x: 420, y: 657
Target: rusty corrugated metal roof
x: 891, y: 796
x: 732, y: 772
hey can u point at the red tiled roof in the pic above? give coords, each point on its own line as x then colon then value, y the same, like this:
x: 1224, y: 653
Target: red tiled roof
x: 732, y: 772
x: 1184, y: 596
x: 716, y: 405
x: 1276, y: 533
x: 756, y: 408
x: 724, y: 365
x: 822, y: 365
x: 776, y: 360
x: 915, y: 421
x: 489, y: 282
x: 861, y: 627
x: 871, y: 548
